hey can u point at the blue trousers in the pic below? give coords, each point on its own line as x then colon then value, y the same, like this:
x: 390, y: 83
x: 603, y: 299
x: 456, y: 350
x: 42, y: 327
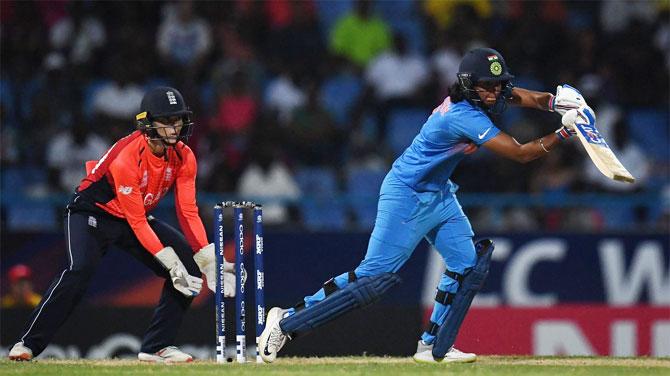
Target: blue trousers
x: 88, y: 236
x: 404, y: 217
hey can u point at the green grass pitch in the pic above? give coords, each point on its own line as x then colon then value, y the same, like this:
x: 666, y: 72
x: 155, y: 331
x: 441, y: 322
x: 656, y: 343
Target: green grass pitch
x: 485, y: 365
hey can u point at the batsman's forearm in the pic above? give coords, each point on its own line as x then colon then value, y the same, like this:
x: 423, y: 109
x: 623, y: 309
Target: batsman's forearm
x: 538, y: 148
x: 530, y: 99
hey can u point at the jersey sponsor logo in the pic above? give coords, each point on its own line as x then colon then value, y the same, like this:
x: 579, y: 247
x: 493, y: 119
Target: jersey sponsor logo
x: 125, y: 190
x: 148, y: 199
x: 168, y: 174
x: 482, y: 135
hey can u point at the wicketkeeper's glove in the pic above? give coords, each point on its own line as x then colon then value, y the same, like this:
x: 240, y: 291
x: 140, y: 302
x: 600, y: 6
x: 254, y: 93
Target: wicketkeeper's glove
x: 566, y: 98
x: 182, y: 281
x: 207, y: 264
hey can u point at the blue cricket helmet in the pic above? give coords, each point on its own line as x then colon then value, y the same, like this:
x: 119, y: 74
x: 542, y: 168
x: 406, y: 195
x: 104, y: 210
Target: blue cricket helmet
x: 163, y: 101
x: 485, y: 65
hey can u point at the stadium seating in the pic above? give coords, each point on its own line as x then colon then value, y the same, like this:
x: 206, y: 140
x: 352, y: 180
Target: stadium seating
x: 403, y: 17
x: 330, y: 11
x: 88, y: 96
x: 339, y: 94
x: 363, y: 185
x: 403, y: 125
x: 651, y: 127
x: 320, y: 208
x: 22, y: 212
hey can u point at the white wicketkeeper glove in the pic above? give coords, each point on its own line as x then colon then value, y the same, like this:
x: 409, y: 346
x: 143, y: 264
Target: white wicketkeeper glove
x: 566, y: 98
x: 182, y: 281
x: 207, y: 264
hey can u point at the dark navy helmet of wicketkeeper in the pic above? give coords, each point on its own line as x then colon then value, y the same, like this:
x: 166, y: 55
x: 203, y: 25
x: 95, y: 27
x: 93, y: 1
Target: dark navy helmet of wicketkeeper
x: 485, y: 65
x: 163, y: 103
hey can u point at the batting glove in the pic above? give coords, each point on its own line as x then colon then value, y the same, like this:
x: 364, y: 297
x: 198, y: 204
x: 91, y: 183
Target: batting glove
x: 565, y: 132
x: 182, y: 281
x: 566, y: 98
x: 207, y: 264
x: 583, y: 115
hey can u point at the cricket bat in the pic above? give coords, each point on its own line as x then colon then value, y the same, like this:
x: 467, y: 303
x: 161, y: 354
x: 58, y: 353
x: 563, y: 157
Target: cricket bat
x: 600, y: 153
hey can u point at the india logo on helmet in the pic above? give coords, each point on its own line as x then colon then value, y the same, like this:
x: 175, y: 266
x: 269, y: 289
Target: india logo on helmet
x: 496, y: 68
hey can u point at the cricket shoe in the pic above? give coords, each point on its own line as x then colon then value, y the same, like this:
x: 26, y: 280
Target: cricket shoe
x: 424, y: 354
x: 170, y: 354
x: 273, y: 338
x: 20, y: 353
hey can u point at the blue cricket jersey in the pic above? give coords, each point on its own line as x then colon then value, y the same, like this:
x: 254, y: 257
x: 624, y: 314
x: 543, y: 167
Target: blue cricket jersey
x: 429, y: 161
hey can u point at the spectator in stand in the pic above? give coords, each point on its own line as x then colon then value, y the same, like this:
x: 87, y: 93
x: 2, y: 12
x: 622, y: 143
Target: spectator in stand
x: 444, y: 14
x: 236, y: 53
x: 359, y: 35
x: 557, y: 176
x: 557, y: 173
x: 395, y: 78
x: 617, y: 16
x: 69, y: 150
x: 312, y: 137
x: 444, y: 62
x: 297, y: 41
x: 21, y: 293
x: 53, y: 102
x: 268, y: 180
x: 184, y: 39
x: 24, y: 42
x: 230, y: 128
x: 237, y: 107
x: 118, y: 100
x: 662, y: 34
x: 79, y: 35
x: 55, y: 94
x: 285, y: 93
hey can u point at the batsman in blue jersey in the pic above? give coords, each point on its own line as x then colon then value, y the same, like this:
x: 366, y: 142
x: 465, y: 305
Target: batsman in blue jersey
x: 418, y: 200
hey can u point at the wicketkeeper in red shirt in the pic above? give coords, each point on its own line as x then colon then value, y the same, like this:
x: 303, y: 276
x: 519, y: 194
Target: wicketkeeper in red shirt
x: 109, y: 209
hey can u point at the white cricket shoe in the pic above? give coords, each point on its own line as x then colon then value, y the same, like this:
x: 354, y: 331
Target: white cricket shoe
x: 424, y: 354
x: 20, y: 353
x: 272, y: 339
x: 170, y: 354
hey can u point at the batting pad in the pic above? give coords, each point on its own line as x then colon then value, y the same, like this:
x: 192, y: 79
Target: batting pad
x: 361, y: 293
x: 473, y: 281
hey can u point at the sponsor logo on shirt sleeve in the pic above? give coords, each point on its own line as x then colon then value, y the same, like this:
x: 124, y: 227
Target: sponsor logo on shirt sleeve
x: 125, y: 190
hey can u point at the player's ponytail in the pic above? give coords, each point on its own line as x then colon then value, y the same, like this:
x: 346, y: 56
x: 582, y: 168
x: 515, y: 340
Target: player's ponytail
x: 456, y: 93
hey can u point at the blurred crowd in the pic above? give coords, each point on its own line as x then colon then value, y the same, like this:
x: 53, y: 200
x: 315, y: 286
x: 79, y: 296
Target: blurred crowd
x: 316, y: 98
x: 18, y: 290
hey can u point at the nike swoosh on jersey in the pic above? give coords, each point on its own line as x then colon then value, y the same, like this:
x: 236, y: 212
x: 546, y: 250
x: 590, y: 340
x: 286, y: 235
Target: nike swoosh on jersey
x: 483, y: 134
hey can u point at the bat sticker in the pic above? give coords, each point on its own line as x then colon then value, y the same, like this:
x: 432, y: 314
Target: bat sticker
x: 591, y: 134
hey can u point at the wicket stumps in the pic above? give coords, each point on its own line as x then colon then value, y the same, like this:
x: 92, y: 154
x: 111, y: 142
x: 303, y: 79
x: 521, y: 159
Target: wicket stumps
x: 241, y: 278
x: 260, y: 277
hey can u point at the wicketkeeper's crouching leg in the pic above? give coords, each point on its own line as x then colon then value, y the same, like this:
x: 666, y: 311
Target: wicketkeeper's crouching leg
x: 83, y: 254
